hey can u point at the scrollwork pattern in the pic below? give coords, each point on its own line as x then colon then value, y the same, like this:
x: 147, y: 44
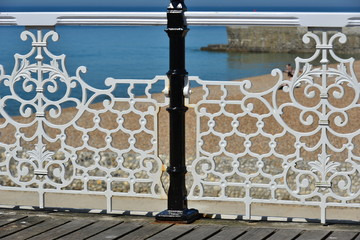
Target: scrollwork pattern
x: 67, y: 134
x: 295, y: 139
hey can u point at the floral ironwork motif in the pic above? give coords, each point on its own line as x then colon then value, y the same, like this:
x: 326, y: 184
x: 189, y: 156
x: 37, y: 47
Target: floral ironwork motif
x: 324, y: 166
x: 39, y: 156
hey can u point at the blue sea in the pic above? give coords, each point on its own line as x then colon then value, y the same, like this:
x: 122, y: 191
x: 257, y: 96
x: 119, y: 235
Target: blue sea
x: 141, y: 52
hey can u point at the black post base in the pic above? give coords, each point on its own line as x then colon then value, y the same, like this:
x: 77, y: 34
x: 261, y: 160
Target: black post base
x: 178, y: 216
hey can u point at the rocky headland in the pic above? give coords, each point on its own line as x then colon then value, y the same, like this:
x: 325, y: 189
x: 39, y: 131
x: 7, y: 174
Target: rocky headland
x: 283, y: 39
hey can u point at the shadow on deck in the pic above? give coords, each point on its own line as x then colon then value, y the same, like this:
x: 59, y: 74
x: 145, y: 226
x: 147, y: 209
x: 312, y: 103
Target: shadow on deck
x: 55, y: 224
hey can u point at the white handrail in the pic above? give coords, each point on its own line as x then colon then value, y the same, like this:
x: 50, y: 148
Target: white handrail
x: 306, y: 19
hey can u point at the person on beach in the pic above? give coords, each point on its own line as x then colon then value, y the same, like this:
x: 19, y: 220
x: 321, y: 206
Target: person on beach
x: 290, y: 73
x: 289, y: 70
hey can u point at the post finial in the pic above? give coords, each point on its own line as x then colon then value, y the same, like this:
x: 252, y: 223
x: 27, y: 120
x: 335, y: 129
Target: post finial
x: 177, y: 5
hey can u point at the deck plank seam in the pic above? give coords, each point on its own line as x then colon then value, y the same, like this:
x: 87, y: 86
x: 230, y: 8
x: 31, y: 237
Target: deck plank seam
x: 356, y: 236
x: 241, y: 234
x: 48, y: 230
x: 298, y: 235
x: 68, y: 233
x: 120, y: 222
x: 160, y: 231
x: 127, y: 233
x: 184, y: 233
x: 270, y: 234
x: 327, y: 235
x: 7, y: 223
x: 22, y: 229
x: 214, y: 234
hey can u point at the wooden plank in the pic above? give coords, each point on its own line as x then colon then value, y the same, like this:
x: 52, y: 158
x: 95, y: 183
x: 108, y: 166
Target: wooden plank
x: 285, y: 234
x: 63, y: 230
x: 202, y: 232
x: 342, y: 235
x: 117, y: 231
x: 173, y: 232
x: 91, y: 230
x: 229, y: 233
x: 6, y: 219
x: 146, y: 231
x: 313, y: 235
x: 19, y: 225
x: 36, y: 229
x: 256, y: 234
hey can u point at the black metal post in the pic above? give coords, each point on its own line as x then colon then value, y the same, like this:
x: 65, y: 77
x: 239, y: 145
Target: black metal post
x: 177, y: 194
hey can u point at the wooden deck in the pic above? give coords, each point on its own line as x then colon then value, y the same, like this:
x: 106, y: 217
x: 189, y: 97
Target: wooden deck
x: 23, y: 224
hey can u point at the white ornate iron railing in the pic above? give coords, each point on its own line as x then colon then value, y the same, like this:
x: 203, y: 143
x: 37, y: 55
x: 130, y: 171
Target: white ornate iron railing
x: 295, y: 146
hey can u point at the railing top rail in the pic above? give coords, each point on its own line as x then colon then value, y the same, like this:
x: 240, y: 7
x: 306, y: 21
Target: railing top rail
x: 306, y: 19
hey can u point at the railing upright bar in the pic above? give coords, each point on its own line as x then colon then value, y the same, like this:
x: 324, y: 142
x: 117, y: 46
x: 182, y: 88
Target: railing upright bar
x: 177, y: 194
